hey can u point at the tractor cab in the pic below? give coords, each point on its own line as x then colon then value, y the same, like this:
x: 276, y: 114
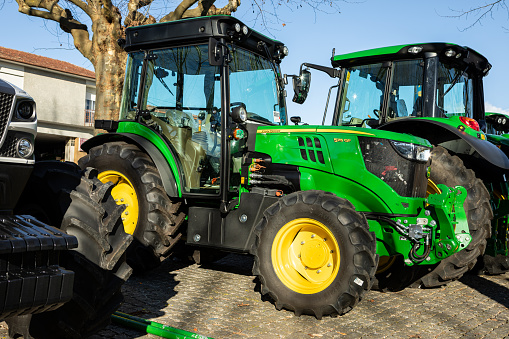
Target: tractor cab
x: 434, y: 80
x: 194, y: 83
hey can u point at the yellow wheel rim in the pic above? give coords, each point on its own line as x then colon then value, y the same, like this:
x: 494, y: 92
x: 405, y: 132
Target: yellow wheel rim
x: 305, y: 256
x: 124, y: 194
x: 432, y: 188
x: 384, y: 263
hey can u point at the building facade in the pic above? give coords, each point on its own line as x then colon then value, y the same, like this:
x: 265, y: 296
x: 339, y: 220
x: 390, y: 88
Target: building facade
x: 65, y: 97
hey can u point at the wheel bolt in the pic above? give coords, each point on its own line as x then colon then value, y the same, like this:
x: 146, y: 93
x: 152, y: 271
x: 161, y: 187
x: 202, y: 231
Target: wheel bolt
x: 122, y: 200
x: 318, y: 271
x: 324, y: 239
x: 332, y: 251
x: 302, y: 242
x: 116, y: 200
x: 312, y: 236
x: 305, y: 267
x: 329, y: 265
x: 126, y: 212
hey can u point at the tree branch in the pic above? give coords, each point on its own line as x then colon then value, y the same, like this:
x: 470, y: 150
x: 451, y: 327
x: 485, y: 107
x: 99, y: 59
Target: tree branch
x: 179, y: 11
x: 50, y: 10
x: 485, y: 10
x: 134, y: 17
x: 206, y: 7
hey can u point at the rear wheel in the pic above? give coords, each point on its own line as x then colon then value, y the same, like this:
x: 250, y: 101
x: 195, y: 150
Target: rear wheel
x: 314, y: 254
x: 498, y: 264
x: 85, y: 208
x: 151, y: 216
x: 450, y: 171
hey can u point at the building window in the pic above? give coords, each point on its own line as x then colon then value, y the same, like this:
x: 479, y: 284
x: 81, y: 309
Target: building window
x: 89, y: 112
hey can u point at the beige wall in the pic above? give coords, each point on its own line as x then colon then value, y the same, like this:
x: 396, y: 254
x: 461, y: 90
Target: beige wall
x: 12, y: 73
x: 60, y: 101
x: 59, y: 98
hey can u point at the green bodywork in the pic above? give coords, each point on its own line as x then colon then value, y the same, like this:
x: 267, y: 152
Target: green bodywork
x: 154, y: 138
x: 345, y: 175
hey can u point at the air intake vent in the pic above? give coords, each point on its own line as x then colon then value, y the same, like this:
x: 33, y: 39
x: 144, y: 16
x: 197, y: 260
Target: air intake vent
x: 311, y: 149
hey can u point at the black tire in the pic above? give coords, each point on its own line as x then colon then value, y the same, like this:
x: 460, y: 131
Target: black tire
x: 160, y: 218
x: 498, y: 264
x: 394, y: 276
x: 493, y: 265
x: 99, y: 262
x: 346, y: 227
x: 47, y: 193
x: 450, y: 170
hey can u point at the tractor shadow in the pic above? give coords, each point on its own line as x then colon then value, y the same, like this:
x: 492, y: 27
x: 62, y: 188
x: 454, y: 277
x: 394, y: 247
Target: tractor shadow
x: 148, y: 294
x: 232, y: 263
x: 490, y: 289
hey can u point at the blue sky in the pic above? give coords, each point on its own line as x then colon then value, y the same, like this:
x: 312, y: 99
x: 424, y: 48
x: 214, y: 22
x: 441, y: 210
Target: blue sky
x: 310, y: 38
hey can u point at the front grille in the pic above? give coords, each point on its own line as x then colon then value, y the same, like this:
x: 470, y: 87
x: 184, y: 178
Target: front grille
x: 8, y: 149
x: 5, y: 110
x: 407, y: 178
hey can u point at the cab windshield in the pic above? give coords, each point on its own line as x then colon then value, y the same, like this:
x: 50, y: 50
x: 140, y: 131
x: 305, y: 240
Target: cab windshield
x: 455, y: 92
x: 362, y: 94
x: 364, y: 90
x: 181, y: 100
x: 180, y: 83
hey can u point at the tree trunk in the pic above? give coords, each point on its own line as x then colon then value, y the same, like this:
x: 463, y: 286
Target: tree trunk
x: 109, y: 63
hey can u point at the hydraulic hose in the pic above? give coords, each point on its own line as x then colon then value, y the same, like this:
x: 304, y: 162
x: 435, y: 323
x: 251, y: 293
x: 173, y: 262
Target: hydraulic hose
x: 152, y: 327
x: 420, y: 258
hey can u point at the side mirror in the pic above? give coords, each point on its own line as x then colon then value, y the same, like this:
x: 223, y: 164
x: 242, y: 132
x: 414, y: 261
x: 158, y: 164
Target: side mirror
x: 301, y: 85
x: 295, y: 120
x: 215, y: 53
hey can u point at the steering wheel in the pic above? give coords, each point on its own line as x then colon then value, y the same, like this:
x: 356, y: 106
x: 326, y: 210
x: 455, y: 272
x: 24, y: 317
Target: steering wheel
x: 376, y: 112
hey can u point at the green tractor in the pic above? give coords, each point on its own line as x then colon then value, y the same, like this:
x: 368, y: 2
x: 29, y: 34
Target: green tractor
x: 205, y: 163
x: 433, y: 91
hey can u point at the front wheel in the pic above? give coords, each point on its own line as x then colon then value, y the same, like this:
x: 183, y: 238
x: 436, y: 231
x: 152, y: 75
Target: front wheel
x: 314, y: 254
x: 153, y: 218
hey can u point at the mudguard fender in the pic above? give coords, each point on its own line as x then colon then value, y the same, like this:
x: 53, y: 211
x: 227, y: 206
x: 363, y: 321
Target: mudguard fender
x: 438, y: 132
x: 167, y: 175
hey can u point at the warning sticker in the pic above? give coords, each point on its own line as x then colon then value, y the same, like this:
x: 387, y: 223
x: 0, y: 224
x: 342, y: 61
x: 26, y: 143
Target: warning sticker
x: 276, y: 116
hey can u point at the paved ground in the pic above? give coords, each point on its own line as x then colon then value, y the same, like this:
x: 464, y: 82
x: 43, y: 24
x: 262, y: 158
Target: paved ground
x: 222, y: 301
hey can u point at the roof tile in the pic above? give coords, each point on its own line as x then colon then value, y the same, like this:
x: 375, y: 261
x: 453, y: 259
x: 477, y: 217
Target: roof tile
x: 44, y: 62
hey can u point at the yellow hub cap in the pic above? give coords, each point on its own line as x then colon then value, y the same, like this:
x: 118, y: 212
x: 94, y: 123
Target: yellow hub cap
x: 305, y: 256
x: 385, y: 263
x: 124, y: 194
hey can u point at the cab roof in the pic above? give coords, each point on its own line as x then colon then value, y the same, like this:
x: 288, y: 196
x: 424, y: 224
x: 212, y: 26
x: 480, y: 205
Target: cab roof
x: 194, y: 31
x: 463, y: 55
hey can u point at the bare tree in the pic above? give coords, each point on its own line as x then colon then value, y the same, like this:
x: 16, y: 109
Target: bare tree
x: 480, y: 12
x: 96, y: 25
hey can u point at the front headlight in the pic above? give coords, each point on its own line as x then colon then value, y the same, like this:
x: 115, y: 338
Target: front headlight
x: 25, y: 109
x: 412, y: 151
x: 25, y: 148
